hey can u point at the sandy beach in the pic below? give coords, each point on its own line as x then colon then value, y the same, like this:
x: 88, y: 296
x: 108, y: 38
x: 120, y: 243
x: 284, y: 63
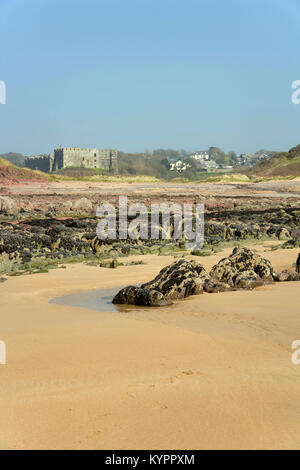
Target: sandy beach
x: 211, y: 372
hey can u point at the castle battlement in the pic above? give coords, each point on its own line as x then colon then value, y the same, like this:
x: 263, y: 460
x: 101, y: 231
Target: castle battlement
x: 40, y: 162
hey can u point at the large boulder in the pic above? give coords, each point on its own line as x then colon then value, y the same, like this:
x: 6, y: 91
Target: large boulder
x: 180, y: 279
x: 139, y: 296
x: 243, y: 269
x: 176, y: 281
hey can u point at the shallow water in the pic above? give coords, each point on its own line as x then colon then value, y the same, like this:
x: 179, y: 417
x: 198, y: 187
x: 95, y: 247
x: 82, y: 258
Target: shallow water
x: 99, y: 300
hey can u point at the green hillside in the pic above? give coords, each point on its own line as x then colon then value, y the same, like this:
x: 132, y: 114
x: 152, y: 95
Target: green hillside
x: 11, y: 174
x: 16, y: 158
x: 281, y: 164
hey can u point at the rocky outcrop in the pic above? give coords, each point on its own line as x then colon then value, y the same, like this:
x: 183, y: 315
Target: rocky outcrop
x: 181, y: 279
x: 58, y: 228
x: 243, y: 269
x: 139, y: 296
x: 176, y: 281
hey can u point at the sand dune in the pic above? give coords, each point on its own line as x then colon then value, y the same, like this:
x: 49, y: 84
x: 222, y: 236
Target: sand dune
x: 213, y: 371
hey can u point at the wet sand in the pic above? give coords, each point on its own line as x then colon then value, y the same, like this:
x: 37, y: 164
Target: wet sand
x: 280, y: 188
x: 213, y: 371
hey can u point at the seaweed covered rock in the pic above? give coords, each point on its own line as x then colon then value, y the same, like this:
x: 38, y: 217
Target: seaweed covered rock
x: 248, y: 279
x: 176, y: 281
x: 139, y: 296
x: 180, y: 279
x: 243, y: 269
x: 212, y: 286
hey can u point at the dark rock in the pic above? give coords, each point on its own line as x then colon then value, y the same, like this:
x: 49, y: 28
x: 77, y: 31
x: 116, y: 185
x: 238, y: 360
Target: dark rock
x: 243, y: 269
x: 248, y: 280
x: 212, y: 286
x: 180, y: 279
x: 298, y: 264
x: 142, y: 297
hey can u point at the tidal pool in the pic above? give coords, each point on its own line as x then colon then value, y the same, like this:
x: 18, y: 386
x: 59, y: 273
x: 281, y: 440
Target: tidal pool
x: 97, y: 299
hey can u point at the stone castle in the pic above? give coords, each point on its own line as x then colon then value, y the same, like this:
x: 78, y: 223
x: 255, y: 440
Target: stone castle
x: 75, y: 157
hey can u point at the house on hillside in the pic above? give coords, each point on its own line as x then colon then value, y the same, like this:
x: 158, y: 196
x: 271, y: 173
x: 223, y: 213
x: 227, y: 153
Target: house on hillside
x: 200, y: 155
x: 249, y: 160
x: 178, y: 165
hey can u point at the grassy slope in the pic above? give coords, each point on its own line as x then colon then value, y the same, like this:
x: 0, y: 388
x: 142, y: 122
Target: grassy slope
x: 4, y: 162
x: 12, y: 172
x: 98, y: 175
x: 16, y: 158
x: 281, y: 164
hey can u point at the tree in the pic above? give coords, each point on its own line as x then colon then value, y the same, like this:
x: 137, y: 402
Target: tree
x: 217, y: 155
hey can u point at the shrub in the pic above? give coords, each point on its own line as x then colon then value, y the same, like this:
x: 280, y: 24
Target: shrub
x: 8, y: 265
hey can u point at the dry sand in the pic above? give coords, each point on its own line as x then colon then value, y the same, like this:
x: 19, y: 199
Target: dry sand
x: 213, y: 371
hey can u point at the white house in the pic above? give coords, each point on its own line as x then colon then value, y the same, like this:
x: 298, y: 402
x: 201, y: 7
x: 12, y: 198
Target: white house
x: 179, y: 166
x: 200, y: 155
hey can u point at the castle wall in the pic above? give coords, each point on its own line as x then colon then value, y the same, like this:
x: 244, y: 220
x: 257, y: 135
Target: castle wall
x: 58, y: 159
x: 40, y: 162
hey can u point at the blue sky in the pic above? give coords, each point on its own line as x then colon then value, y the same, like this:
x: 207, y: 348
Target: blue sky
x: 145, y: 74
